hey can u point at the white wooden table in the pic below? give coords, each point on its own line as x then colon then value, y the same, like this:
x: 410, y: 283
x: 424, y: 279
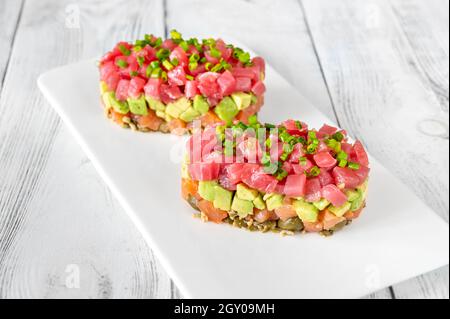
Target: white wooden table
x: 380, y: 68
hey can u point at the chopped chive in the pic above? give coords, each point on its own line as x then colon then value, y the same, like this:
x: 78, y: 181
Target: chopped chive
x: 342, y: 163
x: 314, y: 171
x: 216, y: 68
x: 184, y: 45
x: 155, y: 64
x: 189, y: 77
x: 122, y: 64
x: 162, y: 54
x: 124, y: 50
x: 156, y: 73
x: 148, y: 71
x: 208, y: 66
x: 140, y: 60
x: 244, y: 57
x: 134, y: 73
x: 215, y: 53
x: 158, y: 42
x: 310, y: 149
x: 164, y: 76
x: 354, y: 166
x: 299, y: 125
x: 203, y: 60
x: 342, y: 156
x: 194, y: 57
x: 175, y: 35
x: 338, y: 136
x: 281, y: 174
x: 193, y: 65
x: 167, y: 65
x: 175, y: 62
x: 302, y: 160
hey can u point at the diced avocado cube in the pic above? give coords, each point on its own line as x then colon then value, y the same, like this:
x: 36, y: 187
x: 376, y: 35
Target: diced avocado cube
x: 242, y: 207
x: 254, y: 99
x: 226, y: 110
x: 107, y: 99
x: 321, y: 204
x: 307, y: 212
x: 243, y: 192
x: 364, y: 188
x: 206, y: 189
x: 168, y: 118
x: 103, y: 87
x: 185, y: 171
x: 189, y: 115
x: 341, y: 210
x: 259, y: 203
x: 161, y: 114
x: 242, y: 100
x: 155, y: 104
x: 118, y: 106
x: 358, y: 201
x: 138, y: 106
x: 175, y: 109
x: 200, y: 104
x: 352, y: 194
x: 222, y: 198
x: 274, y: 201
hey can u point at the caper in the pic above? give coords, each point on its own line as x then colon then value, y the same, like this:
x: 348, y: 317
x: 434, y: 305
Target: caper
x: 193, y: 202
x: 292, y: 224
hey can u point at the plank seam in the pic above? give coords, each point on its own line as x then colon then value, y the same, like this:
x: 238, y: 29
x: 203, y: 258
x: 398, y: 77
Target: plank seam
x: 19, y: 18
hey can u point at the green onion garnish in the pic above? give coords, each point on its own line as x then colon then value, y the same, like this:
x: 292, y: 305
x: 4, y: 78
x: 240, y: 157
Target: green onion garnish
x: 314, y: 171
x: 281, y: 174
x: 175, y: 35
x: 216, y: 68
x: 155, y: 64
x: 338, y: 136
x: 268, y: 143
x: 244, y: 57
x: 265, y: 160
x: 148, y: 71
x: 342, y: 163
x: 269, y: 126
x: 140, y: 60
x: 299, y: 125
x: 194, y: 57
x: 208, y: 66
x: 162, y: 54
x: 193, y: 65
x: 334, y: 145
x: 215, y: 53
x: 158, y: 42
x: 124, y: 50
x: 164, y: 76
x: 134, y: 73
x: 184, y: 45
x: 342, y: 156
x: 302, y: 160
x: 189, y: 77
x: 122, y: 64
x: 156, y: 73
x: 203, y: 60
x: 175, y: 62
x: 167, y: 65
x: 310, y: 149
x: 354, y: 166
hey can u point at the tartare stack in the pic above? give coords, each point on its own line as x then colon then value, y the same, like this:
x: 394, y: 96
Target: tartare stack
x: 285, y: 178
x: 164, y: 85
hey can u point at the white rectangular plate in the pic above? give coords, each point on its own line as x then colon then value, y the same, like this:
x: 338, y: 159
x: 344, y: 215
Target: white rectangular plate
x: 396, y: 237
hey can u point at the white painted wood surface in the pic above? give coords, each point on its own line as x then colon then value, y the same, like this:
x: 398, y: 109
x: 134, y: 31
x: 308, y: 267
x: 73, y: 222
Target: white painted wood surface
x: 378, y: 67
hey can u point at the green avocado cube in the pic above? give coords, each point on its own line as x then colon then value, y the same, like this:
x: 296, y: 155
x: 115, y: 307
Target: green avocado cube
x: 274, y: 201
x: 341, y: 210
x: 175, y: 109
x: 222, y: 198
x: 242, y: 207
x: 352, y: 194
x: 106, y: 97
x: 200, y: 104
x: 226, y: 110
x: 206, y: 189
x: 103, y: 87
x: 155, y: 104
x: 243, y: 192
x: 242, y: 100
x: 118, y: 106
x: 254, y: 99
x: 358, y: 201
x: 189, y: 115
x: 161, y: 114
x: 259, y: 203
x: 138, y: 106
x: 321, y: 204
x: 307, y: 212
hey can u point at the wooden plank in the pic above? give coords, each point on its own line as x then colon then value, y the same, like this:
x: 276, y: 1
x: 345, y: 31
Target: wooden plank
x: 9, y: 19
x: 275, y: 30
x: 383, y: 96
x: 57, y: 218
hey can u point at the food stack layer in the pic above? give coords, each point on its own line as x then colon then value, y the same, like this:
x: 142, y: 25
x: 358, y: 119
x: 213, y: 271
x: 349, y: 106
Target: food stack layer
x: 286, y: 178
x: 164, y: 85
